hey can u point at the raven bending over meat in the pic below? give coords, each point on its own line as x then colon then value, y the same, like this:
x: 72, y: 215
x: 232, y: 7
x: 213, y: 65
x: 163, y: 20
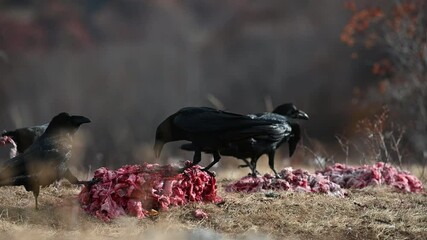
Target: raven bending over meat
x: 254, y: 148
x: 213, y: 130
x: 45, y: 161
x: 24, y: 137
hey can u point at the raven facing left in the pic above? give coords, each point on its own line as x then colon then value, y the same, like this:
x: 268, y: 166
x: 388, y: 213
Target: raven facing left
x: 212, y: 129
x: 45, y: 161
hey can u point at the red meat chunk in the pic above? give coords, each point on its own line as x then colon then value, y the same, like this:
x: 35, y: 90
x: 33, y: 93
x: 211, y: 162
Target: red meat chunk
x: 136, y: 189
x: 291, y: 180
x: 331, y: 180
x: 375, y: 175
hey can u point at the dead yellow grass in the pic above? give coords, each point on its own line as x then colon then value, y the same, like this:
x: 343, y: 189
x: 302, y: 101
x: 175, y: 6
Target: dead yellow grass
x: 365, y: 214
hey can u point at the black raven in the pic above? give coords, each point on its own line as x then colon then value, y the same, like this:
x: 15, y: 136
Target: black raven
x: 253, y: 148
x: 45, y: 161
x: 24, y: 137
x: 207, y: 128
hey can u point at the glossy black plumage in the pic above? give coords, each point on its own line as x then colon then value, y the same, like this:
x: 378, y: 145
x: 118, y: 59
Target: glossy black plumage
x: 45, y: 161
x: 255, y: 147
x: 212, y: 130
x: 24, y: 137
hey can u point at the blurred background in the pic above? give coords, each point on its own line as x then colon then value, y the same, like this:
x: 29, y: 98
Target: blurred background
x: 129, y: 64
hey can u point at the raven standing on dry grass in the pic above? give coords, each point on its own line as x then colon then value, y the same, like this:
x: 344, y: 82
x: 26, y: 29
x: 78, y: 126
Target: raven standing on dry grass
x: 24, y: 137
x: 45, y: 161
x: 207, y: 128
x: 255, y: 147
x: 285, y: 113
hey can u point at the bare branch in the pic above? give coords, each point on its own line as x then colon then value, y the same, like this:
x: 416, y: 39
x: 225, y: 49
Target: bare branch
x: 344, y: 146
x: 319, y: 160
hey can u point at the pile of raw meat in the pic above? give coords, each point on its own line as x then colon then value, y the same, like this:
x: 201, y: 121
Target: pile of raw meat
x: 375, y: 175
x: 332, y: 180
x: 137, y: 189
x: 291, y: 180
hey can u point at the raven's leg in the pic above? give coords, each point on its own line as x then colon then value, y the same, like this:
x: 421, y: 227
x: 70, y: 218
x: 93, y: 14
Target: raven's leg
x: 254, y: 161
x: 196, y: 159
x: 36, y: 191
x: 197, y: 156
x: 216, y: 157
x: 271, y: 163
x: 251, y: 165
x: 71, y: 178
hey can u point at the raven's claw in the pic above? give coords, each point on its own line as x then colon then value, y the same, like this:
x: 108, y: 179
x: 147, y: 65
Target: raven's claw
x: 89, y: 183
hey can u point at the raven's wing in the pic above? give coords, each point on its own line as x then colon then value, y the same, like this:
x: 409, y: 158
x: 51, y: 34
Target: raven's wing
x: 277, y: 130
x: 294, y: 139
x: 37, y: 160
x: 25, y: 180
x: 12, y: 167
x: 24, y: 137
x: 269, y: 116
x: 204, y: 120
x: 191, y: 147
x: 188, y: 147
x: 268, y: 133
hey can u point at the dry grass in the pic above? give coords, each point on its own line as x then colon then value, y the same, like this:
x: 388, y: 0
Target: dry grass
x: 365, y: 214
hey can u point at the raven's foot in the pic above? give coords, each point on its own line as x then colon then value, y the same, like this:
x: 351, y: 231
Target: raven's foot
x: 255, y: 173
x: 89, y: 183
x: 276, y: 174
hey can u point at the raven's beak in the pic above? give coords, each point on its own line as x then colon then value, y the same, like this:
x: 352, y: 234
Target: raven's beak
x: 301, y: 115
x: 79, y: 120
x: 158, y: 148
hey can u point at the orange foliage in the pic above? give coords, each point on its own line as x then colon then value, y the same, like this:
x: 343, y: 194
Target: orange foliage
x: 370, y: 19
x: 382, y: 67
x: 360, y: 22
